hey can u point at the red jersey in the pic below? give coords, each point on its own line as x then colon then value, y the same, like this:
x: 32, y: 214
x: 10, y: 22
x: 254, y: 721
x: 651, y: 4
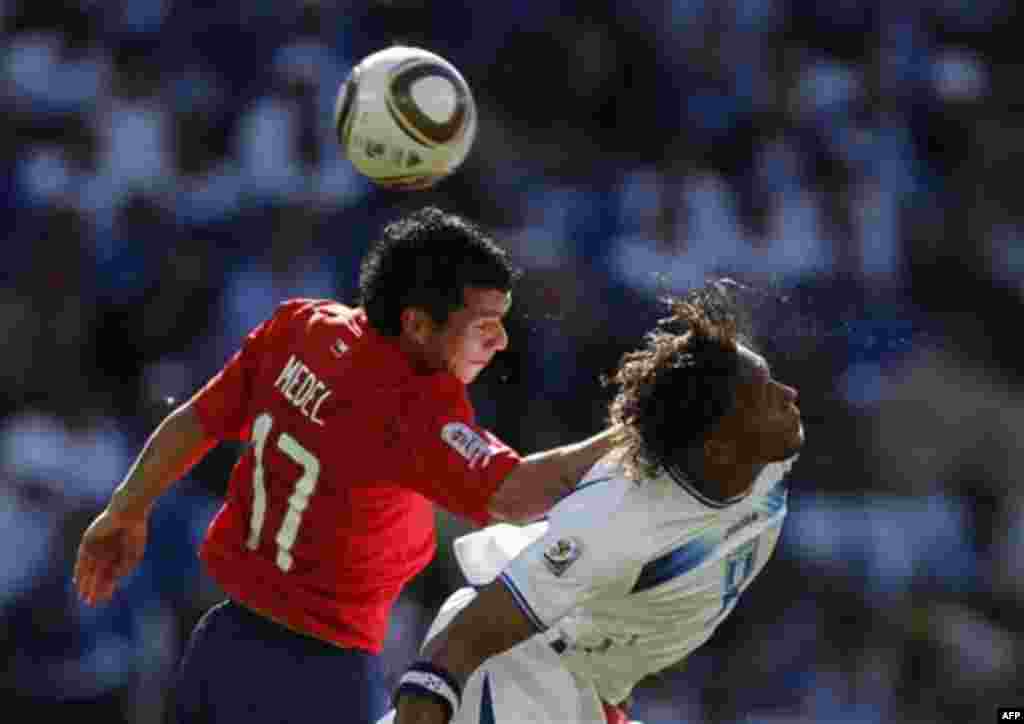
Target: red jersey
x: 328, y: 512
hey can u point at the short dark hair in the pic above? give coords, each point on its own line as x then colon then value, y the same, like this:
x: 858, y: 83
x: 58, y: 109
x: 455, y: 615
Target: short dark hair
x: 674, y: 389
x: 426, y: 259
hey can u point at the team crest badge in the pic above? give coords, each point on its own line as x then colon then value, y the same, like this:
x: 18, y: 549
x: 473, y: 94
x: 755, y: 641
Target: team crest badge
x: 467, y: 443
x: 561, y: 554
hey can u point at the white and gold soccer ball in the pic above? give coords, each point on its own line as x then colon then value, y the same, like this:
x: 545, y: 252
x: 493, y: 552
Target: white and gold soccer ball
x: 405, y: 117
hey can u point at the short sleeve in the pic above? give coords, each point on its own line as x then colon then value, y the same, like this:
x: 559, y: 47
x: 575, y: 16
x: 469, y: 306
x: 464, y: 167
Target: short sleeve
x: 456, y: 463
x: 222, y: 403
x: 580, y: 557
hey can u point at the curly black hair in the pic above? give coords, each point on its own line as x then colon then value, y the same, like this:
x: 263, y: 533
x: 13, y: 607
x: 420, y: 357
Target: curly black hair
x: 426, y: 259
x: 674, y: 389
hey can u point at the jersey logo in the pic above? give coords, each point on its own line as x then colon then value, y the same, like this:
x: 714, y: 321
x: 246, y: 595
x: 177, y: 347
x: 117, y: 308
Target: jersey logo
x: 561, y: 554
x: 467, y: 443
x: 339, y: 348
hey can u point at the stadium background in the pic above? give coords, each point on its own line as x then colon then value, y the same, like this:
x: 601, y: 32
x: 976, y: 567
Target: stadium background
x: 168, y: 174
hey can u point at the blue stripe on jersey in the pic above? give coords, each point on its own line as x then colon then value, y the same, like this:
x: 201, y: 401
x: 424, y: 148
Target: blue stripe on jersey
x: 673, y: 564
x: 583, y: 486
x: 587, y: 483
x: 775, y: 499
x: 521, y: 601
x: 487, y: 703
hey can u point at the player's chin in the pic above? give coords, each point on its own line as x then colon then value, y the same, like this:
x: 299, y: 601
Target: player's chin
x: 791, y: 443
x: 796, y: 441
x: 469, y: 372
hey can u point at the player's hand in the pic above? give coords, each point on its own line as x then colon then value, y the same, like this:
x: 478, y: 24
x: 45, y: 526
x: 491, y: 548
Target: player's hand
x: 111, y: 547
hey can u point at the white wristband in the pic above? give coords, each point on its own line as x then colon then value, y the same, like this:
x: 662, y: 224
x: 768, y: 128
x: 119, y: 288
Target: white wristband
x: 426, y: 679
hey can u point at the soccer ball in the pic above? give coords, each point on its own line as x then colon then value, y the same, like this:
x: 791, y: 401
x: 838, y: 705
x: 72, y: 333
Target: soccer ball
x: 405, y: 118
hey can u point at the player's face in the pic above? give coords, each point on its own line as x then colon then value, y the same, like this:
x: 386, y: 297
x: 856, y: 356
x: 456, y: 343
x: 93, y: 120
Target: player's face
x: 473, y: 334
x: 765, y: 424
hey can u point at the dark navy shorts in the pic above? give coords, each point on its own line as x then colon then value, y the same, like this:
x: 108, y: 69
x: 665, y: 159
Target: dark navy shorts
x: 240, y: 667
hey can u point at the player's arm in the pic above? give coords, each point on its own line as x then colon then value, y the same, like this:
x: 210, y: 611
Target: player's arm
x: 491, y: 624
x: 218, y: 411
x: 115, y: 541
x: 578, y: 559
x: 177, y: 444
x: 542, y: 479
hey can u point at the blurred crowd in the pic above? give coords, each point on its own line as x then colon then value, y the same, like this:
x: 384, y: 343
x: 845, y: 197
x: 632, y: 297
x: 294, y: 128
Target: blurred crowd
x: 169, y: 173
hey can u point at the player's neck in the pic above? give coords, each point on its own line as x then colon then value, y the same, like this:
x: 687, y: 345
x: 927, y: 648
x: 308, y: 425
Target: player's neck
x: 416, y: 354
x: 718, y: 479
x: 725, y: 481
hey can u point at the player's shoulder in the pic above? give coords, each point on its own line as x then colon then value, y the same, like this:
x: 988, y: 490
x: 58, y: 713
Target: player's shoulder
x: 606, y: 497
x: 605, y: 484
x: 644, y: 514
x: 322, y: 316
x: 297, y: 305
x: 605, y: 520
x: 611, y: 479
x: 325, y: 311
x: 441, y: 399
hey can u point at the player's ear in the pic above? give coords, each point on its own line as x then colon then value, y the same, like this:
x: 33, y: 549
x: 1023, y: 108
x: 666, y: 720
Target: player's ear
x: 417, y: 324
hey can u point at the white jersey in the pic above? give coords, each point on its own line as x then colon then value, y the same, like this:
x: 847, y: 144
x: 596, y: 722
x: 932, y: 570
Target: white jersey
x: 625, y: 579
x: 622, y: 580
